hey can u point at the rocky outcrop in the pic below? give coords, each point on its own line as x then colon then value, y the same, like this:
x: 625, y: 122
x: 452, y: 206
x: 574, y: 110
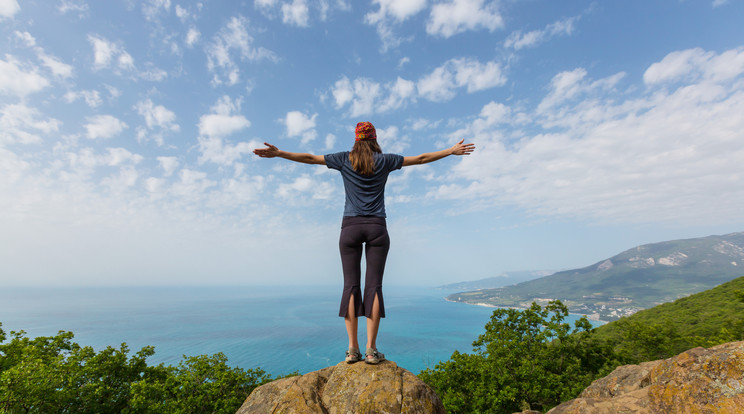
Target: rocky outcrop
x: 696, y: 381
x: 346, y: 388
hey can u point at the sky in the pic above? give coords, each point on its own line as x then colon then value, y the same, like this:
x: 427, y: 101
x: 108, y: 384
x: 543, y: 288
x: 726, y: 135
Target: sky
x: 127, y: 129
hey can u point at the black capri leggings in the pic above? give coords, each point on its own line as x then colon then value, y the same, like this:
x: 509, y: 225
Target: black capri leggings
x: 370, y: 232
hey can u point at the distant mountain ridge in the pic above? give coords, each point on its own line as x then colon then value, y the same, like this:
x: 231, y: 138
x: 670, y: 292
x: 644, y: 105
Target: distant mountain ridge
x: 638, y: 278
x: 504, y: 279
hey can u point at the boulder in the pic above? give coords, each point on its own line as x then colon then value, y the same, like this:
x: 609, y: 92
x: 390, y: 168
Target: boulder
x: 696, y: 381
x: 346, y: 388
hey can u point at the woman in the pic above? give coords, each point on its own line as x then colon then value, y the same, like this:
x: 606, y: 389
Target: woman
x: 364, y: 171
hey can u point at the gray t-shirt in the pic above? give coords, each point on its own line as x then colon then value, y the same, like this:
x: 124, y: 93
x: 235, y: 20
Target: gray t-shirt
x: 365, y: 195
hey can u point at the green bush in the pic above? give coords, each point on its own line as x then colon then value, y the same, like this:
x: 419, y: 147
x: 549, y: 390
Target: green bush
x: 56, y: 375
x: 525, y: 359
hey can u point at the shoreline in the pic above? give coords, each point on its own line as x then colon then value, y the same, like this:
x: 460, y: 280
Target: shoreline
x: 488, y: 305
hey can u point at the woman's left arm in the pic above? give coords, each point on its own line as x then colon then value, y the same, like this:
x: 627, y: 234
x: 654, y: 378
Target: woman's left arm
x: 272, y: 151
x: 457, y: 149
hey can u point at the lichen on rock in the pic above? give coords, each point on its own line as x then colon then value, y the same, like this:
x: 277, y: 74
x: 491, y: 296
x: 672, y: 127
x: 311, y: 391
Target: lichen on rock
x: 696, y: 381
x: 346, y: 388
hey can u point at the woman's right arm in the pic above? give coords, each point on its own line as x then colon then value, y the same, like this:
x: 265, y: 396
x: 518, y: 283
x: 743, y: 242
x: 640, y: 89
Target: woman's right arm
x: 271, y: 151
x: 457, y: 149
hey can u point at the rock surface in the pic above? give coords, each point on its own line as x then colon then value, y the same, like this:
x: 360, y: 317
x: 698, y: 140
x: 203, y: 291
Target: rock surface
x: 346, y: 388
x: 696, y: 381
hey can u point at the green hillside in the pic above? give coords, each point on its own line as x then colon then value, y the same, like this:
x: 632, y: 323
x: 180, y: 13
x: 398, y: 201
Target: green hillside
x: 636, y: 279
x: 703, y: 319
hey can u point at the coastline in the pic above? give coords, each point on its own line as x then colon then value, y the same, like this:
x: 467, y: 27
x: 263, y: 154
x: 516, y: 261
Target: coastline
x: 595, y: 318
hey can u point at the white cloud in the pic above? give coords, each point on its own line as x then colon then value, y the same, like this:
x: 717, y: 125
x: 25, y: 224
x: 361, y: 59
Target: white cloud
x: 192, y: 184
x: 662, y: 156
x: 168, y: 164
x: 441, y: 83
x: 103, y: 51
x: 8, y: 8
x: 573, y: 87
x: 192, y: 37
x: 367, y: 97
x: 126, y: 61
x: 400, y: 93
x: 214, y: 127
x: 330, y: 142
x: 518, y: 40
x: 182, y: 13
x: 224, y: 119
x: 157, y: 116
x: 103, y: 126
x: 233, y: 37
x: 391, y: 140
x: 66, y: 6
x: 400, y: 10
x: 106, y: 52
x: 299, y: 124
x: 19, y: 80
x: 456, y: 16
x: 158, y: 119
x: 296, y: 13
x: 265, y: 3
x: 152, y: 8
x: 304, y: 184
x: 695, y: 64
x: 392, y: 13
x: 120, y: 156
x: 58, y: 68
x: 362, y: 93
x: 20, y: 123
x: 92, y: 98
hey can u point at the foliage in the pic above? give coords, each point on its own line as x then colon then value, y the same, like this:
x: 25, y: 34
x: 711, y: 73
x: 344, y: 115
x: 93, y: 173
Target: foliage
x: 527, y: 358
x: 200, y: 384
x: 704, y: 319
x: 56, y: 375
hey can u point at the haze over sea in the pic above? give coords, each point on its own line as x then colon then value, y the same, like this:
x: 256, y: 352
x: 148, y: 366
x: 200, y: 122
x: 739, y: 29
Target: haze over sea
x: 279, y: 329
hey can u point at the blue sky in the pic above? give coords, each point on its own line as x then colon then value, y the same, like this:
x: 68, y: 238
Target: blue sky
x: 126, y: 131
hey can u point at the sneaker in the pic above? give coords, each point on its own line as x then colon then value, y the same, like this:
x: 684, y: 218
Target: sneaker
x: 374, y: 357
x: 353, y: 355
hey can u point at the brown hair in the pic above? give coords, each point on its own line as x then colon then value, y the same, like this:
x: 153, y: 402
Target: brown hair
x: 361, y: 156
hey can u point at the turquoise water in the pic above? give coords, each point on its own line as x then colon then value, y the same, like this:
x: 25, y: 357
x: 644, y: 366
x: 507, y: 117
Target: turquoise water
x: 279, y: 329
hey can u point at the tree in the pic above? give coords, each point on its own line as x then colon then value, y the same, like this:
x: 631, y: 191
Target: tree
x: 524, y: 359
x: 56, y: 375
x: 200, y: 384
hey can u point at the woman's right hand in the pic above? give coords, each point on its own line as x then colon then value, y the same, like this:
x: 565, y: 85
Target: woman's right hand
x: 269, y: 152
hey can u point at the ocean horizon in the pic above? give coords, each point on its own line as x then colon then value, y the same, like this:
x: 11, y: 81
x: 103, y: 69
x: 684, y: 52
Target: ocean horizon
x: 280, y: 329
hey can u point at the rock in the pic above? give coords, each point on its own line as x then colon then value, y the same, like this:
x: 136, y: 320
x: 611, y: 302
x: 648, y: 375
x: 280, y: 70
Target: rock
x: 696, y: 381
x: 346, y: 388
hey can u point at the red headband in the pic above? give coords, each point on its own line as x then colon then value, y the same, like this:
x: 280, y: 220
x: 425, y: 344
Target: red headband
x: 364, y: 131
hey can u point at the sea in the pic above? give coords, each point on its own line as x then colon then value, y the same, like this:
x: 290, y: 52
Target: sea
x: 279, y: 329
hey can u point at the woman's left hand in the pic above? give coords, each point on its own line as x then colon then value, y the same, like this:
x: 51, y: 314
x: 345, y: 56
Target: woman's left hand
x: 462, y: 149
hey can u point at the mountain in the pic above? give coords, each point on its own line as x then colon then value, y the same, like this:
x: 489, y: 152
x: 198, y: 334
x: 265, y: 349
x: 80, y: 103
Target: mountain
x: 504, y: 279
x: 635, y: 279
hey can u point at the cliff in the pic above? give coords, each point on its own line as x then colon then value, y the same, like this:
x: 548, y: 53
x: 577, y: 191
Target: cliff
x: 696, y: 381
x: 346, y: 388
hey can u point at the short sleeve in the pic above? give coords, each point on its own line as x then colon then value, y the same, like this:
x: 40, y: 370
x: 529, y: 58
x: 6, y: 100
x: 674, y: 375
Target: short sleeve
x: 392, y: 162
x: 336, y: 161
